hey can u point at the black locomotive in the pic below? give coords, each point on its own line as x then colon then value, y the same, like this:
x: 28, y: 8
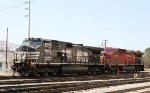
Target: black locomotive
x: 39, y: 56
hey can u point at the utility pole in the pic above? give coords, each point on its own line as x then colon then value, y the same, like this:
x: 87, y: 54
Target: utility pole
x: 29, y: 19
x: 6, y: 49
x: 105, y: 43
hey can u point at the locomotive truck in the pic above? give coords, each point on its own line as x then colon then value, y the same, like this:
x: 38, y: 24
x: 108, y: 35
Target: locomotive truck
x: 38, y: 56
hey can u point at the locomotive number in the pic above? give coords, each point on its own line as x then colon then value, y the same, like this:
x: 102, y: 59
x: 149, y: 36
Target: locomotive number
x: 82, y: 56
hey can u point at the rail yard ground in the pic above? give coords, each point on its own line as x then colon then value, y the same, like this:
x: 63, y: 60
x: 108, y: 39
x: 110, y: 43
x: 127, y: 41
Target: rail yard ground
x: 78, y: 83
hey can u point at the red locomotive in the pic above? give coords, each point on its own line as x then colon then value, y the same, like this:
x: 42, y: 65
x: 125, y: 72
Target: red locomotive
x: 122, y: 59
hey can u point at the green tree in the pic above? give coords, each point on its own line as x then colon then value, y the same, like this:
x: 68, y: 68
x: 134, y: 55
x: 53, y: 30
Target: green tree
x: 146, y: 58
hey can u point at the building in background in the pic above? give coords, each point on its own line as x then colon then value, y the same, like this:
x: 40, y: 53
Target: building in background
x: 10, y: 56
x: 2, y: 60
x: 3, y: 70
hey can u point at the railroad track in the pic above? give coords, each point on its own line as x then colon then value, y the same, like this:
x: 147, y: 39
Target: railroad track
x: 59, y: 84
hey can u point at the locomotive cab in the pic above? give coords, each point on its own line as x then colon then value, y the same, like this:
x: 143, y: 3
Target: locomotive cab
x: 32, y: 42
x: 27, y: 55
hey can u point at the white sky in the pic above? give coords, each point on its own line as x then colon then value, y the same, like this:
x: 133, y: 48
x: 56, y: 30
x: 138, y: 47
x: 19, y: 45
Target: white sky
x: 125, y: 23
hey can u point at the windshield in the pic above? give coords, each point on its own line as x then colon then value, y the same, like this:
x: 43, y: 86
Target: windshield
x: 26, y: 43
x: 108, y: 50
x: 32, y: 42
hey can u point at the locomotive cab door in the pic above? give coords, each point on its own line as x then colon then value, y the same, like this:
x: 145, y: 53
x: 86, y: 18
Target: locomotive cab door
x: 63, y: 57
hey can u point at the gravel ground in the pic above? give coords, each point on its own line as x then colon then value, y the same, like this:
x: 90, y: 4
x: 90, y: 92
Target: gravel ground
x: 66, y: 83
x: 126, y: 88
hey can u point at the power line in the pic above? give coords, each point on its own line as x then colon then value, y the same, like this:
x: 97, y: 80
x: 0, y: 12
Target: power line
x: 15, y: 6
x: 8, y: 8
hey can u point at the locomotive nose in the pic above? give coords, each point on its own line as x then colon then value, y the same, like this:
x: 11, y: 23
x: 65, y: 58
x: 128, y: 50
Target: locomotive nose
x: 25, y: 49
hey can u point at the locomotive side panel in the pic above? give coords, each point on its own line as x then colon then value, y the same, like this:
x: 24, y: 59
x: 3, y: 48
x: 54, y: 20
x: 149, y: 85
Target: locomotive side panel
x: 80, y: 55
x: 117, y: 59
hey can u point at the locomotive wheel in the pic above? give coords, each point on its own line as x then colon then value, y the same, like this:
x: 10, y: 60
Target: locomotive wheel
x: 99, y: 71
x: 49, y: 73
x: 46, y: 73
x: 41, y: 73
x: 25, y: 73
x: 89, y: 72
x: 55, y: 72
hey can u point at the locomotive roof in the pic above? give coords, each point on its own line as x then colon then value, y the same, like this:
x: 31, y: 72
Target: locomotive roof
x: 89, y: 47
x: 56, y: 41
x: 127, y: 51
x: 112, y: 48
x: 48, y: 40
x: 94, y: 48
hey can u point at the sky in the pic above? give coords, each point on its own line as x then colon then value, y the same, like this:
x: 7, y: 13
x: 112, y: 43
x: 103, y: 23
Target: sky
x: 124, y: 23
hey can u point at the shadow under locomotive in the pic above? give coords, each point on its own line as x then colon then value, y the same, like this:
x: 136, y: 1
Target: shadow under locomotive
x: 39, y: 56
